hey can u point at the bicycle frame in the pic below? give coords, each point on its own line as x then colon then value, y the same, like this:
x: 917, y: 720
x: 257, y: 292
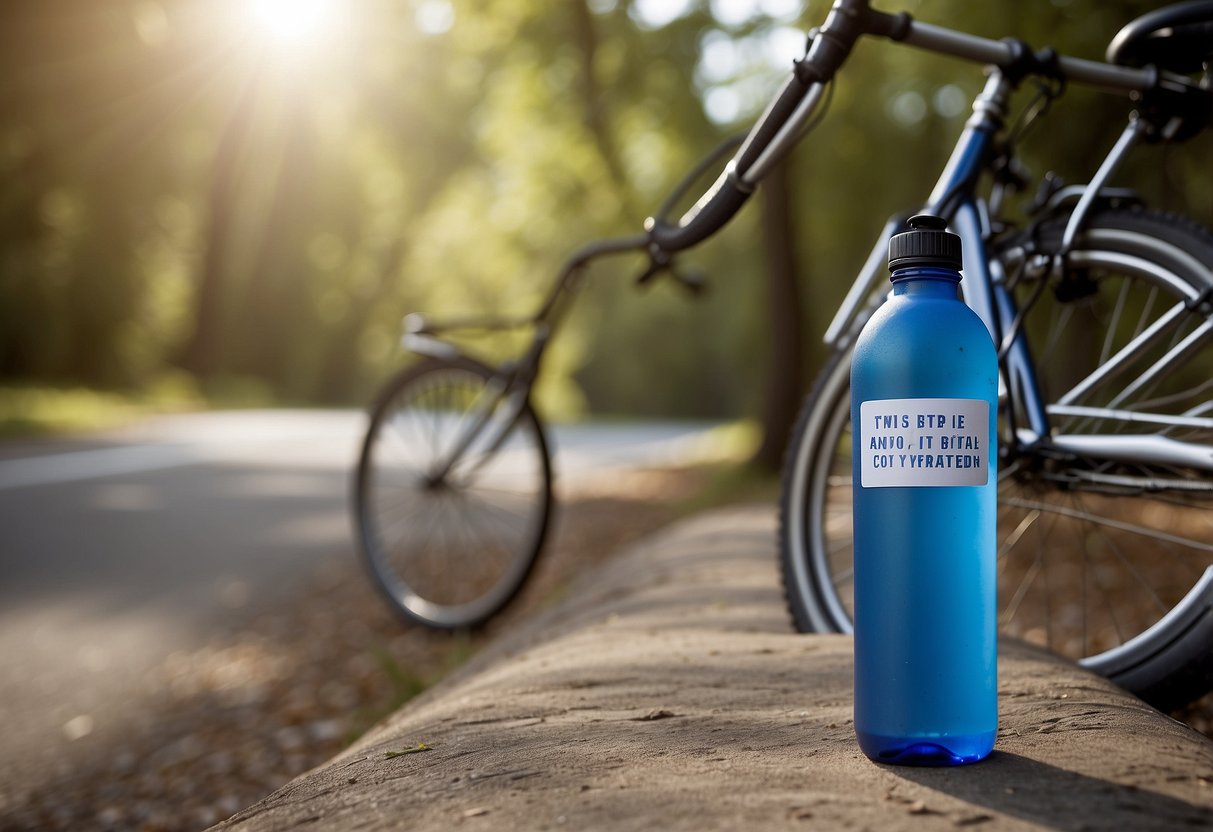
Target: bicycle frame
x: 783, y: 124
x: 787, y: 117
x: 511, y: 381
x: 499, y: 406
x: 954, y: 197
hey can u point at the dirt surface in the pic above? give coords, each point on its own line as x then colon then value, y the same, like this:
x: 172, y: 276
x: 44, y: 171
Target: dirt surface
x: 666, y: 692
x: 274, y: 695
x: 277, y: 694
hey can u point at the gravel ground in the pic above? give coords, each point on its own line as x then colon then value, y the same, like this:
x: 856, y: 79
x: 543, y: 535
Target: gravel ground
x: 297, y: 683
x: 292, y: 687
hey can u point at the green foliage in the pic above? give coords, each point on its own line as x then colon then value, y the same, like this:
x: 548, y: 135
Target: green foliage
x: 28, y: 410
x: 182, y: 191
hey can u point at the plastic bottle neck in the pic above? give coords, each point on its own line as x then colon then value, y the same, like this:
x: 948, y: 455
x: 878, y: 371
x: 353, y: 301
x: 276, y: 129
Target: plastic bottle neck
x: 926, y: 280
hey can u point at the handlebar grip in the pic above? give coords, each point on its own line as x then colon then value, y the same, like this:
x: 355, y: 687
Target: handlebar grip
x: 713, y: 210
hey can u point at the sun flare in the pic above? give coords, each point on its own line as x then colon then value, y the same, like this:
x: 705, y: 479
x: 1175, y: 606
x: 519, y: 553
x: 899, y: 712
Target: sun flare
x: 292, y: 21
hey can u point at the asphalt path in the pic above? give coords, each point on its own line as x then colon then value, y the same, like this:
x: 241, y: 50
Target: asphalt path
x: 118, y: 549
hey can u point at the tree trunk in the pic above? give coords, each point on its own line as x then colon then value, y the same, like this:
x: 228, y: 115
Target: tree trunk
x: 202, y: 352
x: 593, y: 103
x: 784, y: 385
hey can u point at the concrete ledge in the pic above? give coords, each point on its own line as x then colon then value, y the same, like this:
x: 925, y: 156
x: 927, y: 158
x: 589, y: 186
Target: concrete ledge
x: 667, y: 692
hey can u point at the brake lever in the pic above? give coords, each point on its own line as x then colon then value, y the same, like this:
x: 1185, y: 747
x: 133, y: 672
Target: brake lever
x: 662, y: 262
x: 659, y: 261
x: 692, y: 280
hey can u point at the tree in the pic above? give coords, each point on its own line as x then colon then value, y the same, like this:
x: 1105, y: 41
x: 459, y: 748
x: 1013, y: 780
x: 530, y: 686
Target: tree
x: 785, y: 368
x: 166, y: 200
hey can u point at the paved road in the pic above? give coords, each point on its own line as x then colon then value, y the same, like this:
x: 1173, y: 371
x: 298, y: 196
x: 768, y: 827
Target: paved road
x: 118, y: 549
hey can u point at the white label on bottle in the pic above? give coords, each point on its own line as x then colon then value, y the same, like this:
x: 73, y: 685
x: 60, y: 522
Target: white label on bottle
x: 923, y: 442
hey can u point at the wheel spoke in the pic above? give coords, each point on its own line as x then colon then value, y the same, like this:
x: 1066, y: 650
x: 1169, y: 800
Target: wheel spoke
x: 459, y: 545
x: 1019, y: 531
x: 1114, y: 322
x: 1146, y: 310
x: 1108, y: 602
x: 1025, y: 584
x: 1143, y: 529
x: 1120, y: 556
x: 1115, y: 524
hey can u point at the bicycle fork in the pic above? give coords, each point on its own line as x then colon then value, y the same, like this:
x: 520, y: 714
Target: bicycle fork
x: 509, y: 385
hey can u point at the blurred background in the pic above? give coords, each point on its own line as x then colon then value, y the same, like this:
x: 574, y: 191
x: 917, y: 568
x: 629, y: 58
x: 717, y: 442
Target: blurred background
x: 235, y: 201
x: 214, y: 204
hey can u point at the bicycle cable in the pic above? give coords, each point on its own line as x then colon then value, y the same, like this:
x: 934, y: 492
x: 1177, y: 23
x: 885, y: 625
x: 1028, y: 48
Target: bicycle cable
x: 1046, y: 94
x: 729, y: 144
x: 1012, y: 332
x: 679, y: 190
x: 824, y: 109
x: 1047, y: 91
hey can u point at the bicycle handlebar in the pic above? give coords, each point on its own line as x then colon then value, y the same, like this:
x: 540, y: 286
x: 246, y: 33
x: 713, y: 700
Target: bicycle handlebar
x: 776, y: 131
x: 830, y: 46
x: 715, y: 208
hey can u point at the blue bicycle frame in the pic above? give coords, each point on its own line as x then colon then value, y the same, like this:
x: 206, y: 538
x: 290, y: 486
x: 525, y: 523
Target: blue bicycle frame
x: 954, y: 198
x: 986, y: 293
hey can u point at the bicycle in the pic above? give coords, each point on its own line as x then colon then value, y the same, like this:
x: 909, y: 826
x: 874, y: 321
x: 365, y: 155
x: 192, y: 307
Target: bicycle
x: 1105, y: 457
x: 1119, y: 448
x: 457, y: 445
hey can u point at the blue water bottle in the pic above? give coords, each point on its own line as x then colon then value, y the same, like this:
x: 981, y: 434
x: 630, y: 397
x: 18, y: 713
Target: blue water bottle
x: 924, y: 400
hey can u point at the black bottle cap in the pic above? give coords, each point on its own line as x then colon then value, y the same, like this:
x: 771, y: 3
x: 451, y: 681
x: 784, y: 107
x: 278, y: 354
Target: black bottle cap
x: 926, y: 243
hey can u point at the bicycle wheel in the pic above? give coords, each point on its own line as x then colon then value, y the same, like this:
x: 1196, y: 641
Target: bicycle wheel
x: 1097, y: 557
x: 450, y: 541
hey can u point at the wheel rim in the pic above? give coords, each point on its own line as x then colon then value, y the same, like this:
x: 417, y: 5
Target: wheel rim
x: 1080, y: 535
x: 452, y: 546
x: 1081, y: 570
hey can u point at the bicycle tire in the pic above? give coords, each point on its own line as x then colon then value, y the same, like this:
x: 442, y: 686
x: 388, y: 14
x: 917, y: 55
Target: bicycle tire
x: 451, y: 583
x: 1167, y: 669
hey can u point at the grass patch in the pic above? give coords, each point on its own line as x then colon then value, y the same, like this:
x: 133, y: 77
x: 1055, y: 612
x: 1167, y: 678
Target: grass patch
x: 43, y: 410
x: 407, y: 683
x: 34, y: 411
